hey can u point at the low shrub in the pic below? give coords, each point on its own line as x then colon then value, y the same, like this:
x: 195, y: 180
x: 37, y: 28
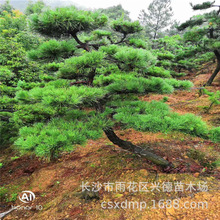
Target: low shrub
x: 215, y: 134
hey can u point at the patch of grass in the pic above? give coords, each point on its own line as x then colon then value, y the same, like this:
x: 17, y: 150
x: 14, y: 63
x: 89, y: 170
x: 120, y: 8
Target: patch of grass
x: 203, y: 108
x: 3, y: 193
x: 165, y: 99
x: 12, y: 197
x: 201, y: 158
x: 215, y: 134
x: 14, y: 158
x: 217, y: 163
x: 8, y: 194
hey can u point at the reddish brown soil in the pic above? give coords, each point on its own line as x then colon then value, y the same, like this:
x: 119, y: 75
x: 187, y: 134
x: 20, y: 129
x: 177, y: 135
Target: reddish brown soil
x: 57, y: 183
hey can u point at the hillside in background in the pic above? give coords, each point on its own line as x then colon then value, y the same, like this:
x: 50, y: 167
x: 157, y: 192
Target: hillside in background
x: 22, y: 4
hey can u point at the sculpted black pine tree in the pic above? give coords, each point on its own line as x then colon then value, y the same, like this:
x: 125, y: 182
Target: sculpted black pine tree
x: 207, y: 27
x: 102, y: 74
x: 70, y: 22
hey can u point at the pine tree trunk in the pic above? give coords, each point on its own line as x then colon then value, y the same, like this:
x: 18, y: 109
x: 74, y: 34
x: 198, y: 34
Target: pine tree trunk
x: 91, y: 76
x: 126, y: 145
x: 217, y: 54
x: 209, y: 83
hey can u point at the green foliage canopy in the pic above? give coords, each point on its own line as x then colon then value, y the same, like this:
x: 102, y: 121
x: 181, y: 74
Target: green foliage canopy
x: 66, y: 21
x: 54, y: 112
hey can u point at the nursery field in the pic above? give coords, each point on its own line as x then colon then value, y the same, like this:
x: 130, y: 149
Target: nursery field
x: 103, y: 117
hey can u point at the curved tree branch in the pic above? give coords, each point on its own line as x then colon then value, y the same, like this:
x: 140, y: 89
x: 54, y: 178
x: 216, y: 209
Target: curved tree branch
x: 82, y: 45
x: 122, y: 39
x: 128, y: 146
